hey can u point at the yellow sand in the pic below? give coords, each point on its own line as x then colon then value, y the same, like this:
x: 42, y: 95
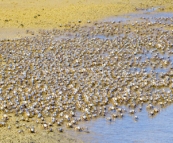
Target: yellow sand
x: 10, y: 132
x: 18, y: 15
x: 43, y: 14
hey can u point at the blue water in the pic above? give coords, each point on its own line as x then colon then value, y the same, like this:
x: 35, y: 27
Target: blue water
x: 158, y: 129
x: 150, y: 14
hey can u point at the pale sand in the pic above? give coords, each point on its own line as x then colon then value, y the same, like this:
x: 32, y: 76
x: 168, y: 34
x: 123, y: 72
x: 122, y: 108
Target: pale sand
x: 18, y: 15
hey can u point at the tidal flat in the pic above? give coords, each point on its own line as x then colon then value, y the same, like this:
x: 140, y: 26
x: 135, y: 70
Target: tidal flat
x: 99, y: 77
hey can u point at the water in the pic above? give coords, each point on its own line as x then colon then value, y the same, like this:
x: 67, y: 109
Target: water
x: 146, y: 129
x: 157, y: 129
x: 149, y: 14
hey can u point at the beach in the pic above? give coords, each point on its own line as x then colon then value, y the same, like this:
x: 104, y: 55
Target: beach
x: 19, y: 16
x: 61, y: 67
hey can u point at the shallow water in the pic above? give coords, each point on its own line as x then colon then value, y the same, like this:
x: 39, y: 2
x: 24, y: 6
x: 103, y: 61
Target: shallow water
x: 147, y: 129
x: 157, y: 129
x: 149, y: 14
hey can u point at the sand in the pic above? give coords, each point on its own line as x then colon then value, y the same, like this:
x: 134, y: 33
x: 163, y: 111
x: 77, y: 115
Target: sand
x: 16, y: 131
x: 19, y: 15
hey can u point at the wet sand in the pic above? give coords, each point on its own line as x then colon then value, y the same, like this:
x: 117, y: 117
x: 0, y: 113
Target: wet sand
x: 17, y: 16
x: 17, y: 131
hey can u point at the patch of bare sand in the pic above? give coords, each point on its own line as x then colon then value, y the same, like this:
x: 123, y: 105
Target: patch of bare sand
x: 17, y: 131
x: 19, y: 15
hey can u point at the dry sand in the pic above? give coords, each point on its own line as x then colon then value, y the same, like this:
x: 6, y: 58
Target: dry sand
x: 16, y: 16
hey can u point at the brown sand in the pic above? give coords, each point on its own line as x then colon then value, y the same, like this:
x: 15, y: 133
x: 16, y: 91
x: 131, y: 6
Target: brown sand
x: 19, y: 15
